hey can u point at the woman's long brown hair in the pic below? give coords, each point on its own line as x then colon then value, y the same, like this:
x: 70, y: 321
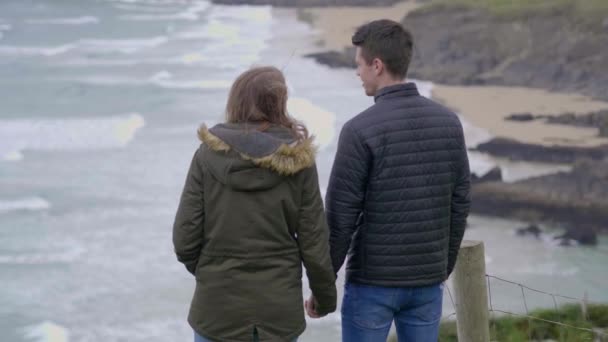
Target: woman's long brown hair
x: 259, y: 95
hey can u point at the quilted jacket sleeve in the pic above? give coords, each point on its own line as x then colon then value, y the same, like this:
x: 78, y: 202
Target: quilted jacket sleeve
x: 461, y: 202
x: 346, y: 192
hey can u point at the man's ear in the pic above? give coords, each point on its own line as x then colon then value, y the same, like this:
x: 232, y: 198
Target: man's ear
x: 378, y: 66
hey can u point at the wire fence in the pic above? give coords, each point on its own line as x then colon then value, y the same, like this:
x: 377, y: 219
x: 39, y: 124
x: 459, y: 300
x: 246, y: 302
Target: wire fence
x: 598, y: 334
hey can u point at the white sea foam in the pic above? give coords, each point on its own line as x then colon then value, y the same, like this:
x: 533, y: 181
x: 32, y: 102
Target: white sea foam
x: 234, y: 61
x: 186, y: 59
x: 474, y: 135
x: 162, y: 79
x: 64, y: 257
x: 319, y: 121
x: 480, y: 163
x: 126, y: 46
x: 35, y: 51
x: 192, y: 34
x: 240, y: 14
x: 513, y: 171
x: 66, y: 134
x: 87, y: 62
x: 121, y: 45
x: 141, y: 8
x: 46, y: 332
x: 191, y: 13
x: 161, y: 76
x: 242, y: 30
x: 201, y: 84
x: 65, y: 21
x: 28, y: 203
x: 165, y: 79
x: 424, y: 87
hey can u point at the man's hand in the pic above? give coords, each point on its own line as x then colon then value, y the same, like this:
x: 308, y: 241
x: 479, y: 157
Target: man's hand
x: 309, y: 305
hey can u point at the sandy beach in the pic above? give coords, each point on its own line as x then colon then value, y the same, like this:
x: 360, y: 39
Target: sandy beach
x: 488, y: 106
x: 336, y: 25
x: 482, y: 106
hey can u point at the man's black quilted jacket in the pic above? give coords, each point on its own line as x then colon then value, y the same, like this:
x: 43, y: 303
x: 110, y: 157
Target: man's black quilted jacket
x: 398, y: 195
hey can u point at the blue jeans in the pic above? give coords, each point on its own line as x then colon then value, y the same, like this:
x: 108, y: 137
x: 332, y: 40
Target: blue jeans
x: 199, y: 338
x: 368, y: 311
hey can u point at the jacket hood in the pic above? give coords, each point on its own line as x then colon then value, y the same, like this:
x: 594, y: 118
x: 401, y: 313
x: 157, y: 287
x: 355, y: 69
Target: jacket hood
x: 248, y: 159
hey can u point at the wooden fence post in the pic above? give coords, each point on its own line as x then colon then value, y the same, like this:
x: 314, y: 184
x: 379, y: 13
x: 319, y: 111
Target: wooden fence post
x: 471, y: 293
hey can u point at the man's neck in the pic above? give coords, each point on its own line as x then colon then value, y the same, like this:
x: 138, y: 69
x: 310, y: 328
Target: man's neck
x: 389, y: 83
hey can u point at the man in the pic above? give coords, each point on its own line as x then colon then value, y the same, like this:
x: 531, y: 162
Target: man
x: 398, y: 197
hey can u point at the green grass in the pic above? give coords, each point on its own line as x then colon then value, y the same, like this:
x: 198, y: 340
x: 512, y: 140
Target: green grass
x: 516, y: 329
x: 586, y: 11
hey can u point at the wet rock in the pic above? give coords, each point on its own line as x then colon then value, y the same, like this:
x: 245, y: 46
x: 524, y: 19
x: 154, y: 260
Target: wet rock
x: 531, y: 230
x: 597, y: 119
x: 580, y: 235
x: 577, y: 199
x: 521, y: 117
x: 336, y: 59
x: 593, y: 119
x: 515, y: 150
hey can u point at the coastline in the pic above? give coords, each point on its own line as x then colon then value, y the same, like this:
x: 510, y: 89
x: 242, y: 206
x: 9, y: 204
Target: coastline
x: 487, y: 107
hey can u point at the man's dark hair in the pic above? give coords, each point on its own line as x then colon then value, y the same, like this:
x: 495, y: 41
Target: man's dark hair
x: 387, y: 40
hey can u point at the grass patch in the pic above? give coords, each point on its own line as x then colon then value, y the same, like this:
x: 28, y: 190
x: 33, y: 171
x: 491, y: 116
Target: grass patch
x: 516, y: 329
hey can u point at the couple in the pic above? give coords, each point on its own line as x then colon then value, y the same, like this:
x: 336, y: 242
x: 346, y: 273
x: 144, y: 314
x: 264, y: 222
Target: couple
x: 251, y: 211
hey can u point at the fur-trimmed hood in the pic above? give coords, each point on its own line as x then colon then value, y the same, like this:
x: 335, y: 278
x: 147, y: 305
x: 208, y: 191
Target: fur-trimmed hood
x: 241, y: 149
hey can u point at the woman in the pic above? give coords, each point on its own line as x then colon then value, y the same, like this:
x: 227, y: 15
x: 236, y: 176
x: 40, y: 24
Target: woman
x: 249, y: 215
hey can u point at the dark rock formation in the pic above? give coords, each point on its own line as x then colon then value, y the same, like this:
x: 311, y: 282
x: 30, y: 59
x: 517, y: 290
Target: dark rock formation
x: 334, y: 59
x: 582, y: 236
x: 531, y: 230
x: 515, y: 150
x: 597, y: 119
x: 578, y: 199
x: 521, y: 117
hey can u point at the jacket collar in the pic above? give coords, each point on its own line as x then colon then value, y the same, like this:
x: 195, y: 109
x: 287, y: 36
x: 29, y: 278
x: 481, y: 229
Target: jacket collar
x: 275, y: 149
x: 397, y: 90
